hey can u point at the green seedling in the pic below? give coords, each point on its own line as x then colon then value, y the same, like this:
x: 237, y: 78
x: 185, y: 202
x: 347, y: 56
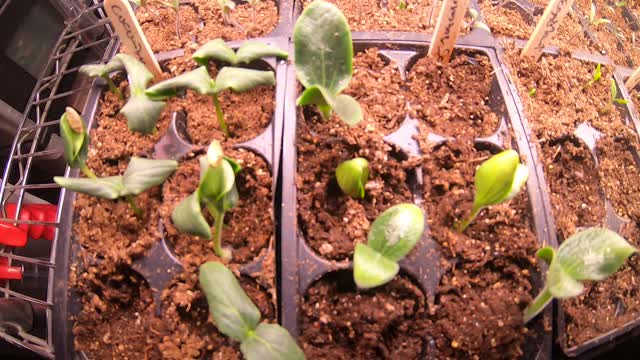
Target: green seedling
x: 593, y: 20
x: 589, y: 255
x: 75, y: 140
x: 621, y: 4
x: 323, y: 58
x: 140, y: 175
x: 103, y: 71
x: 217, y: 192
x: 352, y: 175
x: 237, y: 317
x: 234, y: 78
x: 249, y: 51
x: 226, y: 7
x: 173, y: 4
x: 477, y: 22
x: 595, y: 77
x: 392, y: 236
x: 613, y: 98
x: 402, y: 5
x: 532, y: 92
x: 498, y: 179
x: 141, y: 112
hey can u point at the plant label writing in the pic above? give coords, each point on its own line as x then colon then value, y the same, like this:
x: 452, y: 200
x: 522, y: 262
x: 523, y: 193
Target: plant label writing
x: 447, y: 29
x: 126, y: 25
x: 546, y: 27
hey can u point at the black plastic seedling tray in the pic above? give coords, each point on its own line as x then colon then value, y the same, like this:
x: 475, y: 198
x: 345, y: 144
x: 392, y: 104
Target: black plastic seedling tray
x: 588, y: 136
x: 160, y: 265
x: 301, y: 266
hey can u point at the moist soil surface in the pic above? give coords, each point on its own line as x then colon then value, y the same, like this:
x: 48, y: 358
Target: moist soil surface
x: 373, y: 15
x: 489, y: 268
x: 117, y: 317
x: 560, y: 104
x: 454, y: 99
x: 201, y: 21
x: 339, y: 322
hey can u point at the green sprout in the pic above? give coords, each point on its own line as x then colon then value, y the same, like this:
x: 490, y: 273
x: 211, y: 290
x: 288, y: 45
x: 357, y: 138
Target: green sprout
x: 140, y: 175
x: 498, y: 179
x: 234, y: 78
x: 392, y: 236
x: 324, y: 61
x: 589, y: 255
x: 249, y: 51
x: 227, y: 6
x: 532, y: 92
x: 613, y: 98
x: 402, y: 5
x: 237, y: 317
x: 593, y: 20
x: 621, y: 4
x: 595, y: 77
x: 352, y: 175
x: 75, y: 140
x: 217, y: 192
x: 141, y: 112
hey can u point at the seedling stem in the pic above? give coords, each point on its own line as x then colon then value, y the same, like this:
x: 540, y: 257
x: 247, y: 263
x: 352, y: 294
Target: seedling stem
x: 540, y: 302
x: 220, y: 115
x: 87, y: 171
x: 113, y: 88
x: 463, y: 225
x: 136, y: 210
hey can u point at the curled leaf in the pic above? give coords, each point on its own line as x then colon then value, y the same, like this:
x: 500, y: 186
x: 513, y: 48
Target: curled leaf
x: 107, y: 187
x: 241, y: 80
x: 75, y: 143
x: 102, y: 69
x: 187, y: 217
x: 494, y: 179
x: 142, y: 174
x: 249, y: 51
x: 352, y: 175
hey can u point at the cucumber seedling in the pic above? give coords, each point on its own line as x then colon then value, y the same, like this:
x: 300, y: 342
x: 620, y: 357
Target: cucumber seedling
x: 217, y: 191
x: 589, y: 255
x: 237, y: 317
x: 234, y: 78
x: 226, y: 7
x: 324, y: 61
x: 498, y: 179
x: 140, y: 175
x: 613, y: 98
x: 141, y: 112
x: 75, y: 141
x: 393, y: 234
x: 595, y: 77
x: 352, y: 175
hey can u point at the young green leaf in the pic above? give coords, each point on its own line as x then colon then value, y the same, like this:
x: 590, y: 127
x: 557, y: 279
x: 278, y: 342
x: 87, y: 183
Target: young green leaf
x: 141, y: 112
x: 270, y: 342
x: 613, y: 89
x: 217, y: 191
x: 392, y: 236
x: 197, y: 80
x: 140, y: 175
x: 597, y: 75
x: 498, y: 179
x: 74, y: 138
x: 323, y: 57
x: 217, y: 49
x: 241, y: 80
x: 236, y: 316
x: 102, y: 70
x: 352, y: 175
x: 589, y: 255
x: 231, y: 309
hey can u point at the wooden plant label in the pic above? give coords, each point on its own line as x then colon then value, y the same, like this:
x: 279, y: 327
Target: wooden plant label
x: 447, y: 29
x: 633, y: 80
x: 126, y: 25
x: 546, y: 27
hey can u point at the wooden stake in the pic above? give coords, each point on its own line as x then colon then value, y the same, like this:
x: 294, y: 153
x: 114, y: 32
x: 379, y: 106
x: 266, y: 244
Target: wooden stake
x: 633, y: 80
x: 447, y: 29
x: 126, y: 25
x: 546, y: 27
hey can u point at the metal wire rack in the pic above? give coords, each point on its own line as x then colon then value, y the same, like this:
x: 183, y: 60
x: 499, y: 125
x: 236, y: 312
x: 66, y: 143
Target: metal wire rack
x: 87, y: 38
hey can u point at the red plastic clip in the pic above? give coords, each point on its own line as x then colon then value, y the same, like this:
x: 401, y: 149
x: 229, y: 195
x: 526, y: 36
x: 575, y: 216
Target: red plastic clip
x: 12, y: 235
x: 10, y: 210
x: 9, y: 272
x: 42, y: 212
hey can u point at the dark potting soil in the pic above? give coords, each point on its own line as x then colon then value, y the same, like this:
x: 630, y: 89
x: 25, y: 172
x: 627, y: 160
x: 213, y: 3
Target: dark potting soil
x: 576, y: 196
x: 119, y: 318
x: 201, y: 21
x: 246, y: 114
x: 559, y: 105
x: 373, y: 15
x: 488, y: 280
x: 453, y: 99
x: 331, y: 221
x: 248, y: 226
x: 340, y: 322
